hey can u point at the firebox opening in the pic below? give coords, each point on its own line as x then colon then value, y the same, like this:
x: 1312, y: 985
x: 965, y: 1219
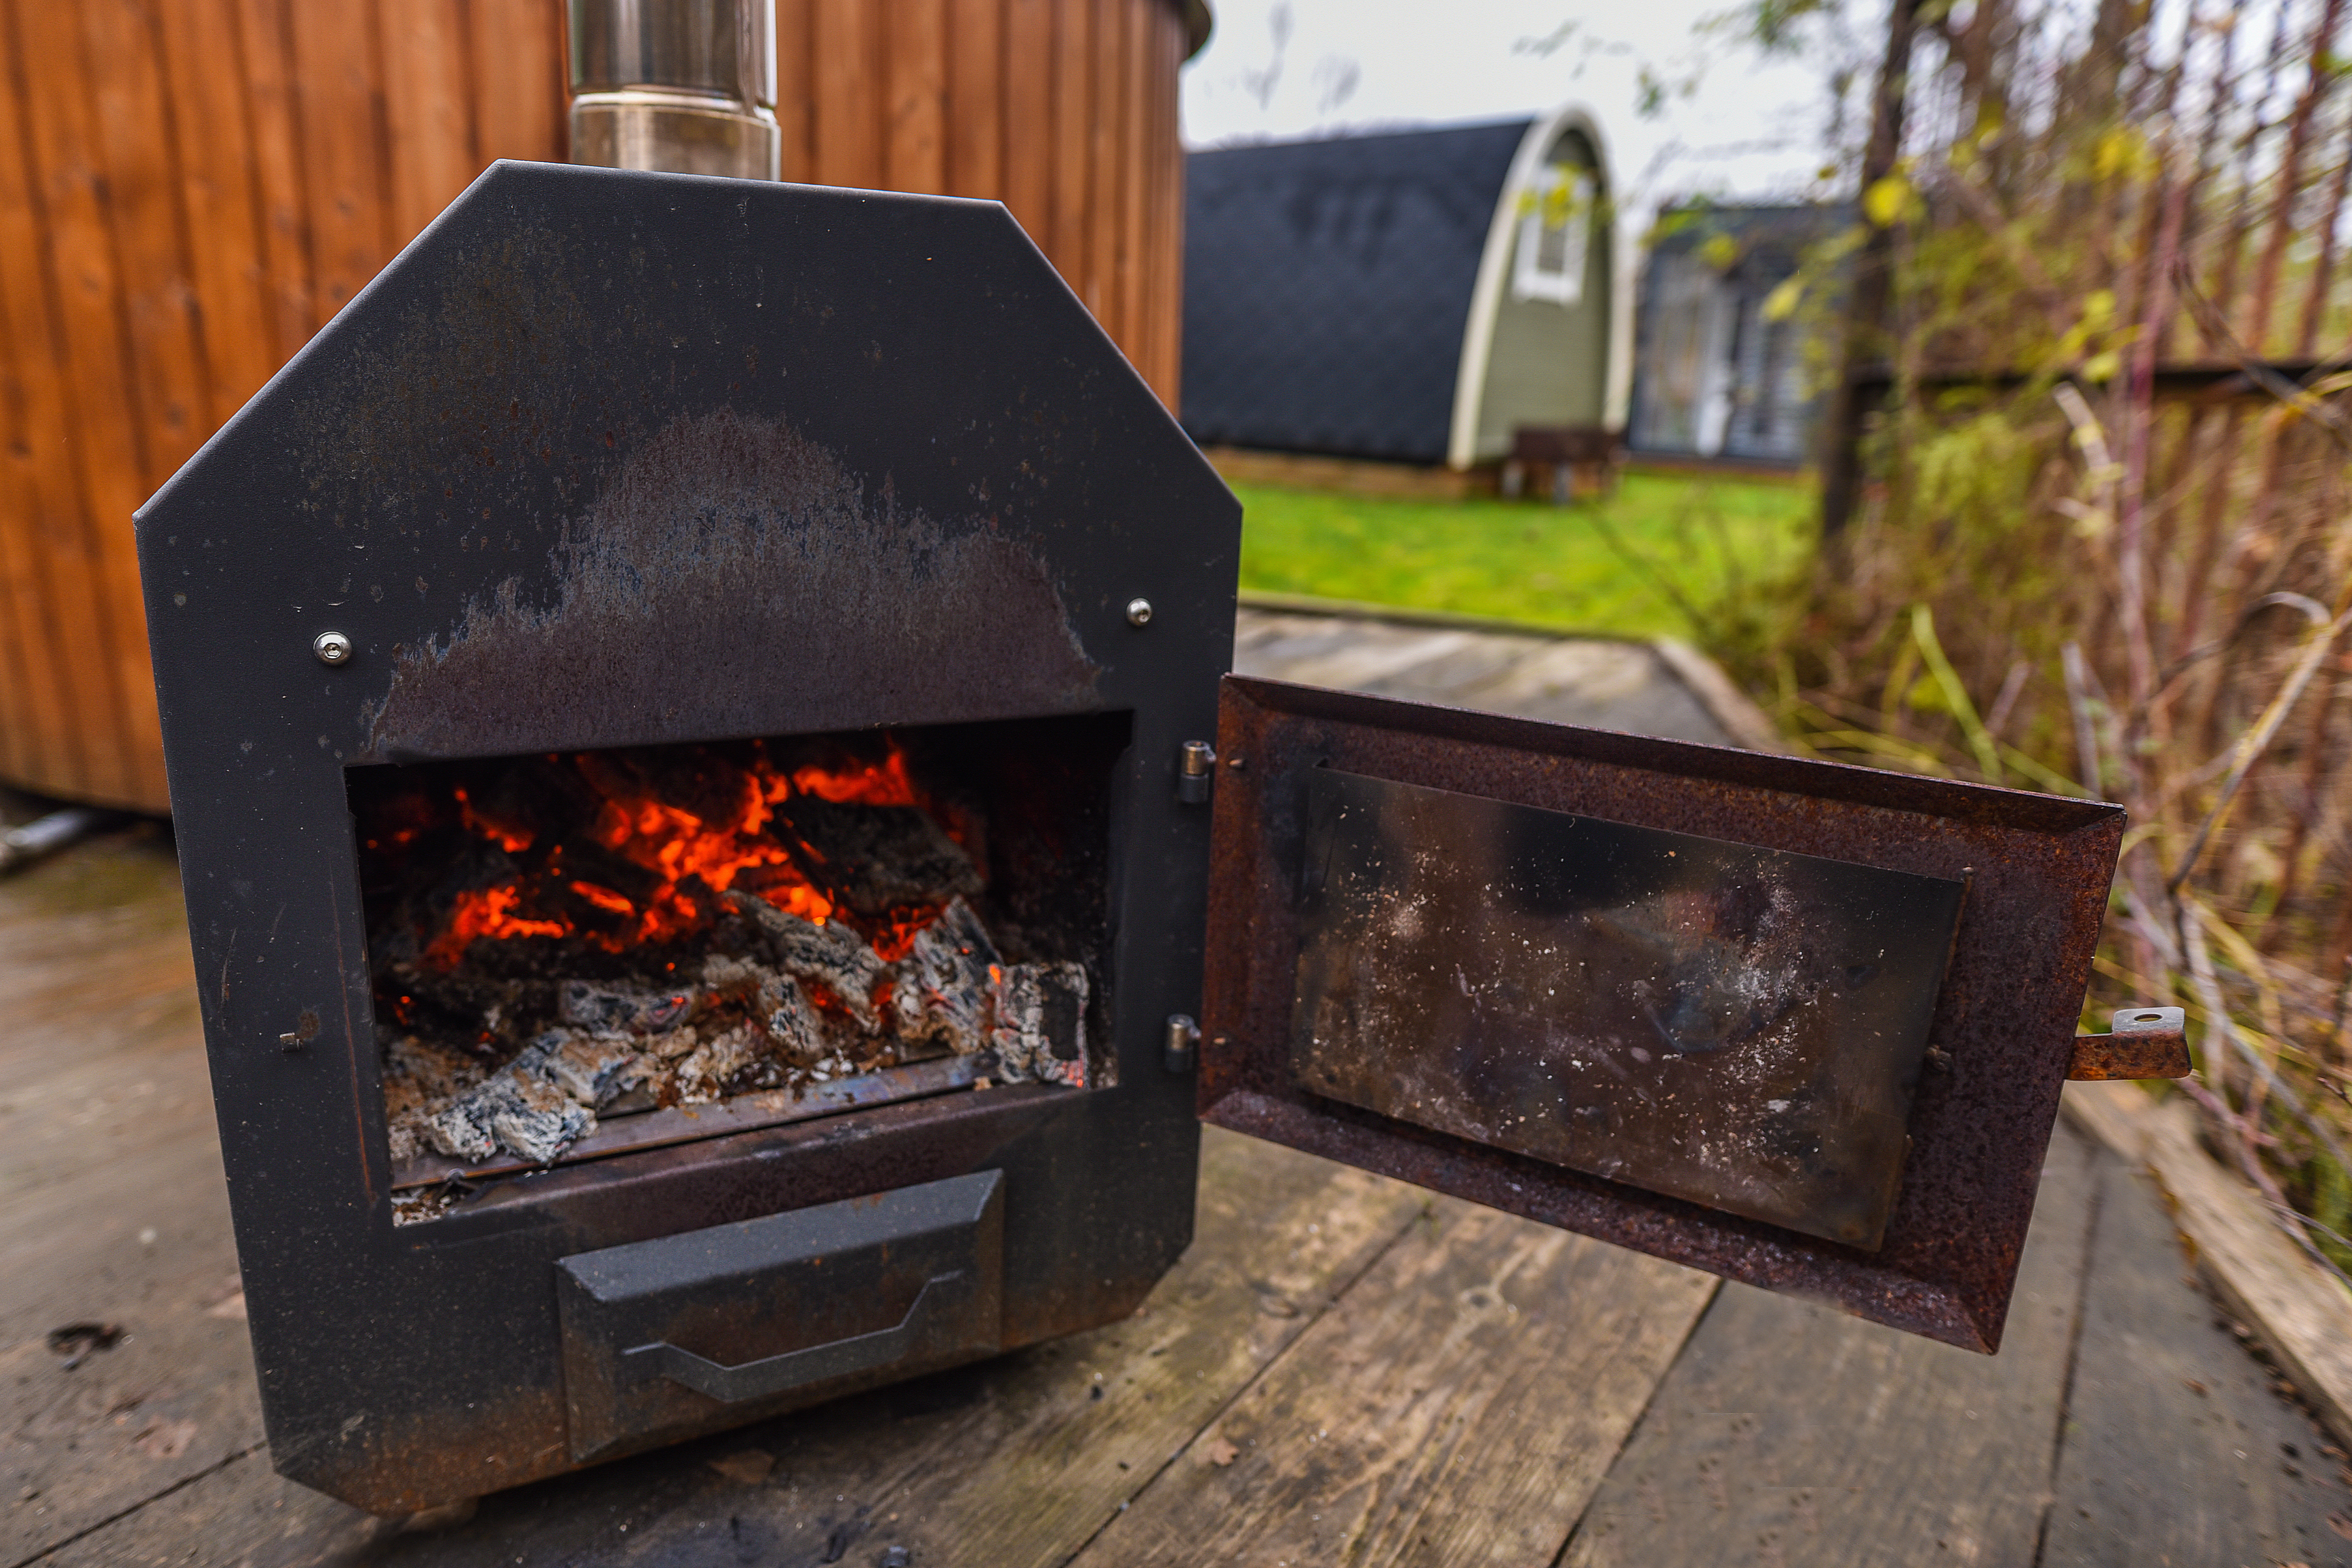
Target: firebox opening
x: 575, y: 954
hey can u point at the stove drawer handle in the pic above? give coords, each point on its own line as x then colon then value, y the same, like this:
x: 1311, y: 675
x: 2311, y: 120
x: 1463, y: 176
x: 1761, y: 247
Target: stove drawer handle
x: 777, y: 1373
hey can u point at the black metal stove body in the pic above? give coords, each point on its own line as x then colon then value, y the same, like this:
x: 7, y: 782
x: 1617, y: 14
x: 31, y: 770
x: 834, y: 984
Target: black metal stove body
x: 612, y: 459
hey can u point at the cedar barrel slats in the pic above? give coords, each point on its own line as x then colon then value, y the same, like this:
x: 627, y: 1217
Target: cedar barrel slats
x: 190, y: 188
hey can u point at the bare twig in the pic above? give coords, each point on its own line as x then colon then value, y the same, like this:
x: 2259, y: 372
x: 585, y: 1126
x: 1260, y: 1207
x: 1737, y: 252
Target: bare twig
x: 2140, y: 410
x: 2194, y: 918
x: 2314, y: 612
x: 2217, y: 326
x: 2257, y: 740
x: 2078, y: 699
x: 2012, y: 686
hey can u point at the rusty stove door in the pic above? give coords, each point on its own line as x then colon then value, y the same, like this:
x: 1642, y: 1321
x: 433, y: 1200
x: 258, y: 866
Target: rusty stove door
x: 1799, y: 1024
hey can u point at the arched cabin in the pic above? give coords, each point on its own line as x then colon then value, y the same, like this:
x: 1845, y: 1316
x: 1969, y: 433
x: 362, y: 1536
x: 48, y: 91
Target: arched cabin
x: 1417, y: 296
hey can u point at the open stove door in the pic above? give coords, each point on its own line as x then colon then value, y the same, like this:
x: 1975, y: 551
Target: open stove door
x: 1799, y: 1024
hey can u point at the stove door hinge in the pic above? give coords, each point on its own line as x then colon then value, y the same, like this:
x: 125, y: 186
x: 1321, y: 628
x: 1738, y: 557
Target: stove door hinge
x: 1196, y: 769
x: 1183, y: 1046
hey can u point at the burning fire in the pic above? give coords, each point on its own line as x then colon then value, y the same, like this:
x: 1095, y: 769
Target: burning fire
x: 682, y: 855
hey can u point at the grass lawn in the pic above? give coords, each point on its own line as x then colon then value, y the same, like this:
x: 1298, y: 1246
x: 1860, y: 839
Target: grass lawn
x: 1526, y: 560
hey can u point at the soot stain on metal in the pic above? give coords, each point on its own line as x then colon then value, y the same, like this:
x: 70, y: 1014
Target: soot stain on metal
x: 727, y: 558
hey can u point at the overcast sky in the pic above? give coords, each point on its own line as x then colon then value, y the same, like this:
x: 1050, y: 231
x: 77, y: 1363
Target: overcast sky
x: 1358, y: 64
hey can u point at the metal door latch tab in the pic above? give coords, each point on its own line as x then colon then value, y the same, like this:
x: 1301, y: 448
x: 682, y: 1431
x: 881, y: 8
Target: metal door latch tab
x: 2147, y: 1042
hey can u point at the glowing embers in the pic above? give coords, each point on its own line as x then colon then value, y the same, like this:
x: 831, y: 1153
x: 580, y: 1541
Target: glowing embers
x: 559, y: 942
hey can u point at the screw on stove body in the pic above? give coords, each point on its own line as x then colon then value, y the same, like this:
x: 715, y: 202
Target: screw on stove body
x: 332, y: 648
x: 1139, y: 611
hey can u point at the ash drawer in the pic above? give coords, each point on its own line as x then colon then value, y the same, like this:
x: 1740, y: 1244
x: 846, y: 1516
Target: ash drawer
x: 716, y: 1327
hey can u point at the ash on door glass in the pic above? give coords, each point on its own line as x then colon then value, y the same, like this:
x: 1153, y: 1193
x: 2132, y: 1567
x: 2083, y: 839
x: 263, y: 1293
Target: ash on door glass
x: 1733, y: 1025
x: 578, y: 954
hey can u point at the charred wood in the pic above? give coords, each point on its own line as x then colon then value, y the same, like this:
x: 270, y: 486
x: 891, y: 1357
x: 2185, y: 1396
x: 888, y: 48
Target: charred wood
x: 831, y: 954
x: 875, y: 859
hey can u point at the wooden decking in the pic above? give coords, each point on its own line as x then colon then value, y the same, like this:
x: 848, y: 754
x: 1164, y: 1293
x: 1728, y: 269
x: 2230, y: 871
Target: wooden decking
x: 1342, y: 1369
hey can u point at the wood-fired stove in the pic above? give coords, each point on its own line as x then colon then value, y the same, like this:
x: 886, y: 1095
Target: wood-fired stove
x: 710, y: 803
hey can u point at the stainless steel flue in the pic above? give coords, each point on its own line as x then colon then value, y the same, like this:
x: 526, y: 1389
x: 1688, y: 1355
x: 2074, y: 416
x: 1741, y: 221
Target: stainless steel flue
x: 684, y: 85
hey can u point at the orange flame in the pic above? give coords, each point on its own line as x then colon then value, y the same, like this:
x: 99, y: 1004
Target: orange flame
x: 880, y: 784
x: 487, y: 912
x: 734, y: 851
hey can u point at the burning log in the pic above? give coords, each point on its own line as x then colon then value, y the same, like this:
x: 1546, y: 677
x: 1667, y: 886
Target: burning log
x: 875, y: 859
x: 726, y: 1064
x: 595, y: 1070
x: 419, y: 1079
x: 940, y: 989
x: 533, y: 1107
x: 588, y: 1005
x: 831, y: 955
x: 517, y: 1108
x: 1032, y: 1006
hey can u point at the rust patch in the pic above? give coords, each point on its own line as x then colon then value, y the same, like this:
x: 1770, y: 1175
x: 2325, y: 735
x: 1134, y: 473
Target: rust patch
x: 734, y: 579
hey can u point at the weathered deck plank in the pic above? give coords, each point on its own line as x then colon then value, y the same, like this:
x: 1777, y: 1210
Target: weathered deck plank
x: 1019, y: 1460
x: 1788, y: 1433
x: 2177, y: 1453
x: 1613, y: 683
x: 112, y: 1209
x: 1458, y: 1408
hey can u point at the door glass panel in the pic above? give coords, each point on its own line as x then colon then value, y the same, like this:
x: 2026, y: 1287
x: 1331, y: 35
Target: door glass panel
x: 1737, y: 1026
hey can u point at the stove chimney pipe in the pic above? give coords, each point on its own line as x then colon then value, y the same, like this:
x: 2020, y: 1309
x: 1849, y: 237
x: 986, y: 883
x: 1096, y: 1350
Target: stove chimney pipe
x: 684, y: 85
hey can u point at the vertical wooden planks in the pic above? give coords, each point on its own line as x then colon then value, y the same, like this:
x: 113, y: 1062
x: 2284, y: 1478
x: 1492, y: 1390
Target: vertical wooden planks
x: 1028, y: 126
x: 1066, y: 235
x: 796, y: 78
x: 1109, y: 165
x: 976, y: 61
x: 219, y: 194
x: 266, y: 50
x: 149, y: 413
x: 517, y: 74
x: 92, y: 439
x: 916, y: 60
x: 340, y: 125
x: 1151, y: 98
x: 431, y: 148
x: 1130, y: 193
x: 36, y: 704
x: 139, y: 155
x: 849, y: 111
x: 1162, y: 177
